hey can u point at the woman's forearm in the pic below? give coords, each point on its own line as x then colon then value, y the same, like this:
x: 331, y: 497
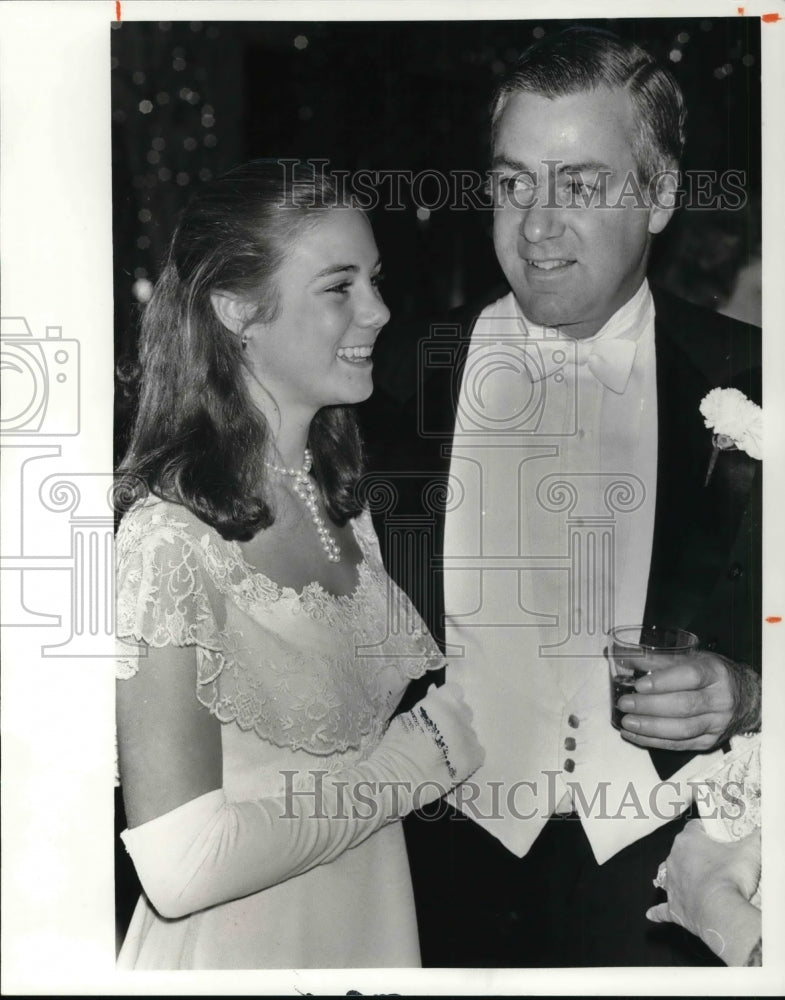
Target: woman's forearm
x: 734, y: 927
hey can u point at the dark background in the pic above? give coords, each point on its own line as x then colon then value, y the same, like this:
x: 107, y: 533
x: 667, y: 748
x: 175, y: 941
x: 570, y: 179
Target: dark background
x: 192, y: 99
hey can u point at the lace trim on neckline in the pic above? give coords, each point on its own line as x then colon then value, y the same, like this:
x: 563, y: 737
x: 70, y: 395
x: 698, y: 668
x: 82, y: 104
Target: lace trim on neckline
x: 175, y: 576
x: 228, y: 567
x: 309, y: 590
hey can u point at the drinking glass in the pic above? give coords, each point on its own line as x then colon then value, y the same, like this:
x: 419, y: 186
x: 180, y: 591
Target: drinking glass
x: 637, y: 650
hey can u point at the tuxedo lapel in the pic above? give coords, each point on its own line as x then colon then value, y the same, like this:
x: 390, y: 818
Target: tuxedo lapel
x: 683, y: 452
x: 696, y: 524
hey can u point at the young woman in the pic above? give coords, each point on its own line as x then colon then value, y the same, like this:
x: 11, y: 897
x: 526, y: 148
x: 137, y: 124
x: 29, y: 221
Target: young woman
x: 263, y: 647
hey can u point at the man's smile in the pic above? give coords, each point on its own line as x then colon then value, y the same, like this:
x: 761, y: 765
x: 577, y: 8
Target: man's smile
x: 550, y: 264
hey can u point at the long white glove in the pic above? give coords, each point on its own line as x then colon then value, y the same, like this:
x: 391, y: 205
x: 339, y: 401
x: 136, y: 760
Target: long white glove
x: 210, y: 850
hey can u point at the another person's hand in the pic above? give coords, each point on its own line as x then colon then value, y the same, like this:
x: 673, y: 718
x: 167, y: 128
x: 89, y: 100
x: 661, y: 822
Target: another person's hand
x: 709, y: 885
x: 692, y: 702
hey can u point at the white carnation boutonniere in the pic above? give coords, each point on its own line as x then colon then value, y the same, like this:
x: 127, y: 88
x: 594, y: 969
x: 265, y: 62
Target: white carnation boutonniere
x: 737, y: 423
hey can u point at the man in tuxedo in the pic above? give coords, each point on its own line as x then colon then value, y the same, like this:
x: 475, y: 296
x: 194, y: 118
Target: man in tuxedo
x: 540, y: 472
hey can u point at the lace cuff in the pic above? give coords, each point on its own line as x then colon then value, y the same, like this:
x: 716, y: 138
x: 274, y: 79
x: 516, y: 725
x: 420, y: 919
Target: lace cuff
x: 728, y: 795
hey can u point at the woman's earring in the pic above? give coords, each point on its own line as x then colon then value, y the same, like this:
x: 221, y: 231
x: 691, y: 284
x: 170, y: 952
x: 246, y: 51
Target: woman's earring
x: 244, y: 341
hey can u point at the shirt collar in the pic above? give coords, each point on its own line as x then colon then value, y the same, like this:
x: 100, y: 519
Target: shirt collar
x: 627, y: 322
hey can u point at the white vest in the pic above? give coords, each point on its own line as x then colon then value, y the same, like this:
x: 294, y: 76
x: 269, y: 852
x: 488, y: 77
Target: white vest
x: 547, y: 545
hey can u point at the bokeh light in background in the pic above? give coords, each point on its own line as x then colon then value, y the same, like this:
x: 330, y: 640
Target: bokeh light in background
x: 191, y: 99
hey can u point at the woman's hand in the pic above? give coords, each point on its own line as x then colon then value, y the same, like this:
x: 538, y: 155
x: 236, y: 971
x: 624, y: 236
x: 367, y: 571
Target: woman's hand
x: 709, y: 885
x: 446, y: 717
x: 193, y: 847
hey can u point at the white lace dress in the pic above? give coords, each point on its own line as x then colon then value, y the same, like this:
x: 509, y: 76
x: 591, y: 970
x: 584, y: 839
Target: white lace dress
x: 301, y: 681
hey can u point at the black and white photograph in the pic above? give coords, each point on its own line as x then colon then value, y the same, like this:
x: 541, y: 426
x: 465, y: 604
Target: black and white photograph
x: 390, y: 591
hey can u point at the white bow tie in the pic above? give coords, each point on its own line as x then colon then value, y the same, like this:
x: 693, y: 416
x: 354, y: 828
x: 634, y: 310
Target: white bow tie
x: 609, y: 361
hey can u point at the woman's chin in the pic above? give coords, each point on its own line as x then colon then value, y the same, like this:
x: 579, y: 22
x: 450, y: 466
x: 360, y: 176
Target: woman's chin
x: 360, y: 389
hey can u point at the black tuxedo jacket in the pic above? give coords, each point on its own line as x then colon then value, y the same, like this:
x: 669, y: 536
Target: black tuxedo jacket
x: 705, y: 571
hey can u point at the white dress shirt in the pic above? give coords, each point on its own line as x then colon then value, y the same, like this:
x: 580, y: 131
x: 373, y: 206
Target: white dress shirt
x: 547, y: 545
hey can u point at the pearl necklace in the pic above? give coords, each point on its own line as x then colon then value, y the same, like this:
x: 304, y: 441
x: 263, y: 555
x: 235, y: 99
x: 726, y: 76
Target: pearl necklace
x: 306, y: 491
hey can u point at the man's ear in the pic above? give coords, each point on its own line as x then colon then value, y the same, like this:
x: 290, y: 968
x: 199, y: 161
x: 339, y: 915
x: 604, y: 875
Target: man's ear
x: 233, y: 311
x: 663, y: 192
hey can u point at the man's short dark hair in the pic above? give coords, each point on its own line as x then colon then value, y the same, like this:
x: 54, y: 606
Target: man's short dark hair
x: 580, y: 59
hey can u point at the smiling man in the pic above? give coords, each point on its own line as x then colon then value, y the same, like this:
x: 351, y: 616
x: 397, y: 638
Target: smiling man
x: 566, y: 434
x: 572, y: 230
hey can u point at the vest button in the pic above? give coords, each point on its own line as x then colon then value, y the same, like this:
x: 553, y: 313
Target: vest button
x: 735, y: 572
x: 569, y: 764
x: 573, y: 721
x: 569, y: 743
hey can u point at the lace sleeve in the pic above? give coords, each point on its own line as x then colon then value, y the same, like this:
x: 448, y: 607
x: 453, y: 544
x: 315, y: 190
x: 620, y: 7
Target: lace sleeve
x: 164, y: 596
x: 427, y: 656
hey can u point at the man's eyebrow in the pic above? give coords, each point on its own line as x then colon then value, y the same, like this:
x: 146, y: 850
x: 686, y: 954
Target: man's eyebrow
x: 586, y: 165
x: 566, y: 168
x: 506, y: 161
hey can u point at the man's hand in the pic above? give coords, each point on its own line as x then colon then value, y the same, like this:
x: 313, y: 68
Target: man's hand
x: 691, y: 702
